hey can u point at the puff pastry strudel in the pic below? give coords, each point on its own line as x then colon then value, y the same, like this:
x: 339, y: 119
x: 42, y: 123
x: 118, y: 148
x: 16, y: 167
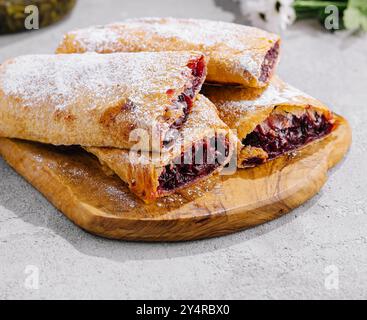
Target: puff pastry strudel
x: 270, y: 122
x: 205, y: 145
x: 239, y: 55
x: 95, y: 99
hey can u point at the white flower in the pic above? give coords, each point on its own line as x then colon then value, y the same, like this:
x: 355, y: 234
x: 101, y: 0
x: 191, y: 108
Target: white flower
x: 272, y: 15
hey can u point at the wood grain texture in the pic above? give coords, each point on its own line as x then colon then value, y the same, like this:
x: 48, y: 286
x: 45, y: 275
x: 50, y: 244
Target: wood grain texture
x: 74, y: 182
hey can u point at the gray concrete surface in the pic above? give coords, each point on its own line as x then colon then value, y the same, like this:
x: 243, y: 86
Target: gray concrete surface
x: 317, y: 251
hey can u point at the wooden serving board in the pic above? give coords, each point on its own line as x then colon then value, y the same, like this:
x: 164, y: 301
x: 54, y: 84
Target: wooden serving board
x: 74, y: 182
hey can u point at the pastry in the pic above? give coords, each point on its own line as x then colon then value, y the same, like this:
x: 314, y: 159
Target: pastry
x: 98, y: 100
x: 239, y: 55
x: 204, y: 146
x: 270, y: 122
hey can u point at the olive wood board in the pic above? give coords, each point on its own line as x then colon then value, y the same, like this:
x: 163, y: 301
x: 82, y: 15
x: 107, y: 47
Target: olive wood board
x: 75, y: 183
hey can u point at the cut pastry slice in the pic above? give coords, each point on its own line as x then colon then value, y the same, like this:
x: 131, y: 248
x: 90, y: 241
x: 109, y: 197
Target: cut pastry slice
x: 239, y: 55
x: 270, y: 122
x: 98, y: 100
x: 205, y: 145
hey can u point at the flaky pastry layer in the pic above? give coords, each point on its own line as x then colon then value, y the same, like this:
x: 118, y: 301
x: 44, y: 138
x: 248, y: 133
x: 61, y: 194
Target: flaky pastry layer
x: 272, y: 121
x: 95, y: 99
x: 239, y: 55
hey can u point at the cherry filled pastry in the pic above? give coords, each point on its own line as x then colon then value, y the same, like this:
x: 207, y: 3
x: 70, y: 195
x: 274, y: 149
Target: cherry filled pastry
x: 270, y: 122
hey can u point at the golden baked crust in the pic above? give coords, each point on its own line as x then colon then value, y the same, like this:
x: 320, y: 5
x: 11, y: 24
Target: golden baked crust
x: 142, y: 170
x: 244, y: 109
x: 238, y: 54
x: 94, y: 99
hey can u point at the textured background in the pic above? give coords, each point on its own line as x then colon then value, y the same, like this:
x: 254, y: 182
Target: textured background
x: 317, y: 251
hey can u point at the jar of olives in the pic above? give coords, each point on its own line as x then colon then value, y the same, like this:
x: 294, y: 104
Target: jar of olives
x: 14, y: 13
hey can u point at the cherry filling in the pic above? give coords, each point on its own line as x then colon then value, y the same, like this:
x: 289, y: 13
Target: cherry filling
x: 203, y: 158
x: 281, y: 133
x: 269, y: 63
x: 198, y: 71
x: 185, y: 100
x: 187, y: 97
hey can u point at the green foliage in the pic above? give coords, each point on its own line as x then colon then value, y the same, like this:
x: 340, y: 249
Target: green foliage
x: 355, y: 16
x: 353, y: 13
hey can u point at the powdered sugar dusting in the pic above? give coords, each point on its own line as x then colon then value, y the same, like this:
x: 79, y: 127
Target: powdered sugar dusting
x: 145, y: 33
x: 237, y: 49
x: 59, y: 80
x: 203, y: 115
x: 274, y: 94
x: 98, y: 38
x: 201, y: 32
x: 250, y: 61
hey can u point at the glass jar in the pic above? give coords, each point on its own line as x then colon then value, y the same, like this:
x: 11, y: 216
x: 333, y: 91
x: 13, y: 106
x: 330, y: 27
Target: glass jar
x: 13, y: 13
